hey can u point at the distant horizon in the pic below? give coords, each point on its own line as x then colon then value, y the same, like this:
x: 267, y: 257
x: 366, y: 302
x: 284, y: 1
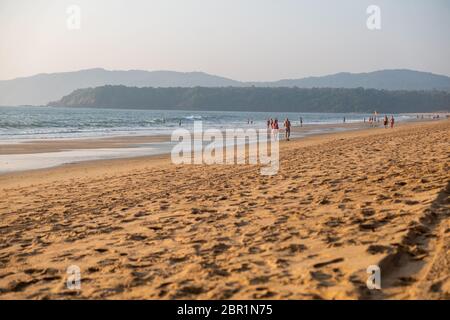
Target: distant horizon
x: 223, y: 76
x: 252, y: 40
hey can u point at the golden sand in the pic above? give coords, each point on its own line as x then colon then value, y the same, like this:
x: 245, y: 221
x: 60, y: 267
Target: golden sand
x: 144, y: 228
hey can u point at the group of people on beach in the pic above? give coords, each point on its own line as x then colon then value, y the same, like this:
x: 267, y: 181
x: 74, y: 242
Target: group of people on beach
x: 272, y: 124
x: 386, y: 121
x: 274, y: 127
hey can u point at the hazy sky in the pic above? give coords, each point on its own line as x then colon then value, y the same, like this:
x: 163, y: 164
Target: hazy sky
x: 241, y: 39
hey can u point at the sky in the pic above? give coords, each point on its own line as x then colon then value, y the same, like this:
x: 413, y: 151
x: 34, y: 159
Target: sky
x: 247, y: 40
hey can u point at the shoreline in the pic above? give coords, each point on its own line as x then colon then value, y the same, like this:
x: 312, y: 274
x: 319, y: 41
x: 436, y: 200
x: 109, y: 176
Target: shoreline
x: 44, y: 154
x: 162, y: 159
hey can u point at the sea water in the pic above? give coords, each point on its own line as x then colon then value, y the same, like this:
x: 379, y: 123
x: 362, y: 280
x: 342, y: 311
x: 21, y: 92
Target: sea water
x: 39, y: 123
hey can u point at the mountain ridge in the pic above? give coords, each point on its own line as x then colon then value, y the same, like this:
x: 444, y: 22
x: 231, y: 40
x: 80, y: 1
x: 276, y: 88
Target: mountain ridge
x: 41, y: 88
x: 258, y: 99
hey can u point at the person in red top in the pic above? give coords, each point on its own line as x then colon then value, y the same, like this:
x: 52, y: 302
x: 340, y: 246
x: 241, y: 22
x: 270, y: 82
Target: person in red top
x: 392, y: 122
x: 287, y: 127
x: 275, y: 128
x: 275, y: 124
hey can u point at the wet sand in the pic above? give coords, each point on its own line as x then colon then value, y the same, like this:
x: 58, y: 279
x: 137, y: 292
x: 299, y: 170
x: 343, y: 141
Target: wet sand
x: 144, y: 228
x: 29, y: 155
x: 56, y: 145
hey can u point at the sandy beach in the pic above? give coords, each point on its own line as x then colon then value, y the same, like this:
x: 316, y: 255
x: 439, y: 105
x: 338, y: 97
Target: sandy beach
x: 144, y: 228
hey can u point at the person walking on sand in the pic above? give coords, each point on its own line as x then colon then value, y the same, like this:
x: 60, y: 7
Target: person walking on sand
x: 275, y: 129
x: 385, y: 122
x: 287, y: 126
x: 392, y: 122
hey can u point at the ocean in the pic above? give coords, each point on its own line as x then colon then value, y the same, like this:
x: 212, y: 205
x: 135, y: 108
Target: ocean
x: 39, y: 123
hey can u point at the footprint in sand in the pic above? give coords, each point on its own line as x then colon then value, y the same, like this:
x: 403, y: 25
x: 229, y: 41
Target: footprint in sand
x: 376, y: 249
